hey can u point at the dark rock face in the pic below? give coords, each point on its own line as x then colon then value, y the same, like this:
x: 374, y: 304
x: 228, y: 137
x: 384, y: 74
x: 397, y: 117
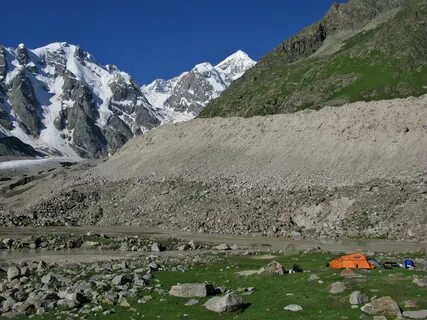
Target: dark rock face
x: 117, y: 133
x: 22, y: 54
x: 13, y: 147
x: 23, y: 100
x: 303, y: 46
x: 3, y: 64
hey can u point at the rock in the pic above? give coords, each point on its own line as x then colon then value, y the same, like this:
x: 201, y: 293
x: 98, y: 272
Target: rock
x: 420, y: 282
x: 337, y: 287
x: 418, y: 314
x: 272, y: 267
x: 25, y: 271
x: 76, y: 297
x: 157, y: 247
x: 121, y: 280
x: 24, y: 308
x: 313, y: 277
x: 125, y: 303
x: 66, y: 304
x: 48, y: 279
x: 191, y: 302
x: 13, y: 272
x: 222, y: 247
x: 230, y: 302
x: 293, y: 308
x: 145, y: 299
x: 184, y: 247
x: 379, y: 318
x: 90, y: 244
x: 41, y: 266
x: 189, y: 290
x: 384, y: 306
x: 153, y: 266
x: 356, y: 297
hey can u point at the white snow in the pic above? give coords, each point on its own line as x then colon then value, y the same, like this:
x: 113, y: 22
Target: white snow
x: 219, y: 77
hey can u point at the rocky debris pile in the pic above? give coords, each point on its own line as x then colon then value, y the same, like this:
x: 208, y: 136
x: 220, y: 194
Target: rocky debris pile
x: 94, y: 240
x: 82, y: 289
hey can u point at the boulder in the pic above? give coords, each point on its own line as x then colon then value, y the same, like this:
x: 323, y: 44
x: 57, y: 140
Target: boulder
x: 418, y: 314
x: 272, y: 267
x: 157, y: 247
x: 293, y: 308
x: 13, y: 272
x: 189, y: 290
x: 230, y: 302
x: 222, y: 247
x: 337, y: 287
x: 121, y: 280
x: 384, y: 306
x: 420, y: 282
x: 356, y: 297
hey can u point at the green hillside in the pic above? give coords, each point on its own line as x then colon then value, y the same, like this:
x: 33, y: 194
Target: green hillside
x: 361, y: 50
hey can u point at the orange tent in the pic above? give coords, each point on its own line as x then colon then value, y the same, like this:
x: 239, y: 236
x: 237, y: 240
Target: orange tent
x: 352, y: 261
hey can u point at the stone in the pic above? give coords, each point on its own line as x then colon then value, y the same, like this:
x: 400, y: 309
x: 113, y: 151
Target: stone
x: 293, y: 308
x: 416, y: 314
x: 222, y: 247
x: 313, y: 277
x: 420, y: 282
x: 379, y: 318
x: 13, y: 272
x: 272, y: 267
x: 90, y: 244
x: 145, y: 299
x: 356, y: 297
x: 120, y: 280
x: 24, y: 307
x: 189, y: 290
x: 384, y: 306
x: 125, y: 303
x: 337, y: 287
x: 191, y: 302
x: 153, y: 266
x: 157, y: 247
x: 228, y: 303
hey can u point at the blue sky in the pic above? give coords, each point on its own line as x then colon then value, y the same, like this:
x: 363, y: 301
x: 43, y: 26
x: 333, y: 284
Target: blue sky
x: 158, y: 38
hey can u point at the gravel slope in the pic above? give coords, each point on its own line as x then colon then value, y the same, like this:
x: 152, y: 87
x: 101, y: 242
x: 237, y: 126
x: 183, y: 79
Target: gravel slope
x: 354, y: 171
x: 334, y: 146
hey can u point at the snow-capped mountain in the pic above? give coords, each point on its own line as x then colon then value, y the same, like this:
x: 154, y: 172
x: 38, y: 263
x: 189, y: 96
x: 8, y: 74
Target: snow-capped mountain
x: 183, y: 97
x: 58, y: 99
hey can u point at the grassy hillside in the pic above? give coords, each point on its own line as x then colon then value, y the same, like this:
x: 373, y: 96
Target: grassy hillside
x: 370, y: 54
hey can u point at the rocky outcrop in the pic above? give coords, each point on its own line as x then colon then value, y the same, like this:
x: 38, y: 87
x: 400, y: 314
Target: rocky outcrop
x: 192, y: 92
x: 3, y: 64
x: 13, y: 147
x: 22, y: 54
x: 23, y: 101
